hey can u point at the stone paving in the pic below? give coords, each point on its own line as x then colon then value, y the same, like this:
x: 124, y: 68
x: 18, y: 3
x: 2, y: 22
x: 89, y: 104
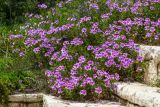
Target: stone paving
x: 131, y: 94
x: 139, y: 94
x: 51, y: 101
x: 151, y: 54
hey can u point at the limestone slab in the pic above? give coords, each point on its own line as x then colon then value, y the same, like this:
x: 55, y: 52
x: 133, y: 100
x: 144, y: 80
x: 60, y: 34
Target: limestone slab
x: 138, y: 94
x: 152, y: 55
x: 26, y: 98
x: 51, y: 101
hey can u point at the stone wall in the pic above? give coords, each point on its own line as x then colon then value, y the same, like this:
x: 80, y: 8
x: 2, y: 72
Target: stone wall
x: 128, y: 94
x: 42, y: 100
x: 52, y: 101
x: 151, y: 54
x: 25, y: 100
x: 137, y: 95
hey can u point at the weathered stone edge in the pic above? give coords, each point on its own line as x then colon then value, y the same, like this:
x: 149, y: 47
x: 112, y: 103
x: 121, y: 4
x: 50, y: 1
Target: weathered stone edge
x: 138, y: 94
x: 135, y: 93
x: 52, y: 101
x: 29, y: 98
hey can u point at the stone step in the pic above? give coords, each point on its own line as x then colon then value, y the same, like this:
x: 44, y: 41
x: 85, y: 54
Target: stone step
x: 152, y: 71
x: 132, y: 95
x: 51, y: 101
x: 137, y: 94
x: 39, y: 99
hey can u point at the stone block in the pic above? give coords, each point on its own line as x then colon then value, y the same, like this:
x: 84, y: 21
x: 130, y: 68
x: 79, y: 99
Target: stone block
x: 51, y: 101
x: 152, y: 55
x: 24, y: 105
x: 138, y: 94
x: 26, y: 98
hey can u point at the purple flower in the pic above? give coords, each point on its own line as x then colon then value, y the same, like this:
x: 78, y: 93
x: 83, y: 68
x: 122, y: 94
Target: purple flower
x: 152, y: 29
x: 95, y: 6
x: 95, y: 29
x: 70, y: 86
x: 110, y: 62
x: 85, y: 19
x: 87, y: 67
x: 107, y: 82
x: 36, y: 50
x: 66, y: 43
x: 98, y: 90
x: 148, y: 35
x: 21, y: 54
x: 50, y: 63
x: 81, y: 59
x: 76, y: 66
x: 60, y: 5
x: 15, y: 37
x: 60, y: 90
x: 139, y: 58
x: 83, y: 92
x: 94, y: 68
x: 95, y: 76
x: 76, y: 41
x: 48, y: 73
x: 43, y: 6
x: 105, y: 16
x: 100, y: 73
x: 123, y: 37
x: 72, y: 19
x: 117, y: 76
x: 116, y: 46
x: 60, y: 68
x: 90, y: 47
x: 84, y: 30
x: 152, y: 8
x: 147, y: 28
x: 54, y: 56
x: 89, y: 80
x: 90, y: 62
x: 156, y: 37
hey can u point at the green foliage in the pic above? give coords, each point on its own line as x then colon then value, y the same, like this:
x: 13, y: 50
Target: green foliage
x: 3, y: 93
x: 17, y: 82
x: 16, y: 72
x: 5, y: 63
x: 8, y: 83
x: 157, y: 83
x: 12, y: 11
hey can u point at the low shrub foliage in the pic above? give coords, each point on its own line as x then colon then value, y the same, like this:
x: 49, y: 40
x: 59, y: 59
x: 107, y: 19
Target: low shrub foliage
x: 87, y: 45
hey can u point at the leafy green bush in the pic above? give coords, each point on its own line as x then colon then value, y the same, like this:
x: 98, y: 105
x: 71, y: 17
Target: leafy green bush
x: 20, y: 82
x: 157, y: 83
x: 12, y: 11
x: 3, y: 93
x: 85, y: 44
x: 8, y: 83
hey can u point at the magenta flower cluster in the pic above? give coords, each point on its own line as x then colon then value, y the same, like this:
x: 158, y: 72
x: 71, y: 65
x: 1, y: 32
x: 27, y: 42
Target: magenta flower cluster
x: 43, y: 6
x: 83, y: 73
x: 86, y: 53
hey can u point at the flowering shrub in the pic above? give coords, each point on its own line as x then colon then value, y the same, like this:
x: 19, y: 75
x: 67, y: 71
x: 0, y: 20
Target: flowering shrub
x: 87, y: 45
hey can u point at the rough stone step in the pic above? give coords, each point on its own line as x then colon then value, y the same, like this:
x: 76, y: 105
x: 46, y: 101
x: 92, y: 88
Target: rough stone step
x: 39, y: 99
x: 51, y: 101
x: 29, y: 98
x: 135, y: 94
x: 152, y: 71
x: 138, y: 94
